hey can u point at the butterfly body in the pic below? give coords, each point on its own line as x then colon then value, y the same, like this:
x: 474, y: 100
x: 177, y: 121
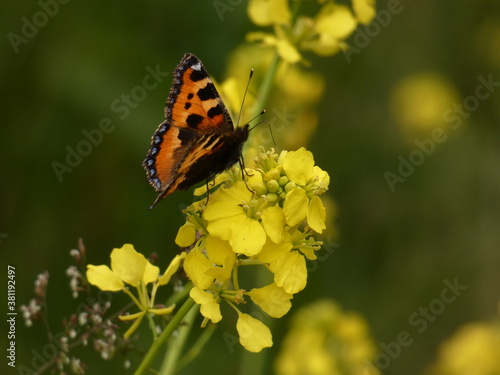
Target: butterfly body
x: 197, y: 140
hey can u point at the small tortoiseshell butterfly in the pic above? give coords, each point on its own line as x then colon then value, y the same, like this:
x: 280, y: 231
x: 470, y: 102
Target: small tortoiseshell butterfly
x: 197, y: 140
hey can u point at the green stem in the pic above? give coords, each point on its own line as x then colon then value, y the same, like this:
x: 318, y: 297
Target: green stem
x: 197, y: 347
x: 176, y: 344
x: 264, y: 93
x: 266, y: 86
x: 180, y: 295
x: 162, y: 339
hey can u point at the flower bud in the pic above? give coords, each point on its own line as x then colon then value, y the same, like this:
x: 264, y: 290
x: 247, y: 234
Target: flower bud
x: 272, y: 186
x: 259, y: 188
x: 283, y: 180
x: 272, y: 197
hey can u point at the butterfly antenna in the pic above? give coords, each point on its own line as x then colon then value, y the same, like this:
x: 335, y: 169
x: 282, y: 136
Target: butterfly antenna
x: 263, y: 122
x: 244, y: 96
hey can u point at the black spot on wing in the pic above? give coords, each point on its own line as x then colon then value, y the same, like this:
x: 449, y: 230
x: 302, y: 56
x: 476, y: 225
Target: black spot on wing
x: 187, y: 105
x: 198, y: 75
x: 193, y: 120
x: 190, y: 95
x: 214, y: 111
x: 186, y: 135
x: 208, y: 92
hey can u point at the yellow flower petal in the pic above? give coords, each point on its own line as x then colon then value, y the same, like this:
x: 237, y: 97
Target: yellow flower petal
x: 271, y: 252
x: 247, y: 236
x: 221, y: 227
x: 299, y: 166
x: 272, y: 299
x: 103, y: 278
x: 217, y: 250
x: 336, y: 21
x: 196, y: 265
x: 162, y: 311
x: 295, y: 207
x: 128, y: 264
x: 128, y: 317
x: 287, y: 51
x: 185, y: 236
x: 223, y: 273
x: 254, y: 335
x: 323, y: 179
x: 291, y: 272
x: 364, y: 10
x: 171, y: 269
x: 273, y: 221
x: 316, y: 215
x: 209, y: 307
x: 222, y: 213
x: 269, y: 12
x: 325, y: 45
x: 151, y: 273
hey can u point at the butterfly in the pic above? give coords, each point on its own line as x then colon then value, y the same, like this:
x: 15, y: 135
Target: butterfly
x: 197, y: 140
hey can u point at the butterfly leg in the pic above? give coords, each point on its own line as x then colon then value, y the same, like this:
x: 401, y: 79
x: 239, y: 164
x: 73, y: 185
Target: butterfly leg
x: 208, y: 191
x: 243, y: 169
x: 243, y: 172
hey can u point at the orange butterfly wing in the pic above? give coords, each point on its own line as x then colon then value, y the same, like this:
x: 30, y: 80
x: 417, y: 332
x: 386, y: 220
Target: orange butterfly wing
x: 197, y: 139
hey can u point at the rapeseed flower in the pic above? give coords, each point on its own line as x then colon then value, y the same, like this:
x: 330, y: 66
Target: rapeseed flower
x: 269, y: 219
x: 324, y: 34
x: 473, y: 349
x: 323, y: 339
x: 130, y: 267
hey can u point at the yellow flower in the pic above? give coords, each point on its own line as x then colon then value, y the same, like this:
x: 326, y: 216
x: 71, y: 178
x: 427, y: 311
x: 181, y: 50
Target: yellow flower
x: 325, y: 340
x: 333, y: 24
x: 239, y: 227
x: 244, y: 222
x: 210, y: 307
x: 473, y: 349
x: 419, y: 101
x: 129, y: 266
x: 307, y: 181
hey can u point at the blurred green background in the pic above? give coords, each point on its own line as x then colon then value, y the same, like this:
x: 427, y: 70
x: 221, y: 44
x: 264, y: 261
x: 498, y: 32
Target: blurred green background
x: 395, y: 248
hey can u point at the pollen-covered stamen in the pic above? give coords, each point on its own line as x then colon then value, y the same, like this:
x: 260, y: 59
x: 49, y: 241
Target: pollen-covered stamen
x: 254, y: 208
x: 246, y: 207
x: 307, y: 242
